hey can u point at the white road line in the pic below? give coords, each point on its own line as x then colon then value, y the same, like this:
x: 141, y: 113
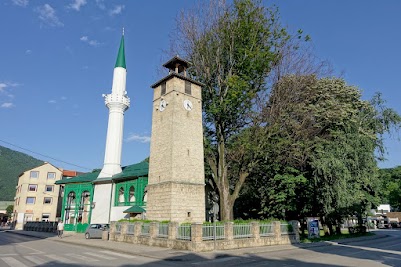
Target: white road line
x: 87, y: 259
x: 36, y: 260
x: 30, y: 248
x: 100, y: 256
x: 13, y: 262
x: 60, y: 259
x: 9, y: 254
x: 117, y: 254
x: 215, y: 260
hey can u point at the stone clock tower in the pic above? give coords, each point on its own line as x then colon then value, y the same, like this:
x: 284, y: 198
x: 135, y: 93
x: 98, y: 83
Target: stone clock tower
x: 176, y: 183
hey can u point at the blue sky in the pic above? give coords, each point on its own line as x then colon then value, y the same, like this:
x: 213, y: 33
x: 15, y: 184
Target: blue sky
x: 57, y: 59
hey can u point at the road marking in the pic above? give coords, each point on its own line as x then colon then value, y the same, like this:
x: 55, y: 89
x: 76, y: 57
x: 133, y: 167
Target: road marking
x: 13, y: 262
x: 117, y: 254
x: 10, y: 254
x: 72, y: 255
x: 60, y: 259
x: 366, y: 248
x: 30, y: 248
x: 100, y: 256
x: 36, y: 260
x: 215, y: 260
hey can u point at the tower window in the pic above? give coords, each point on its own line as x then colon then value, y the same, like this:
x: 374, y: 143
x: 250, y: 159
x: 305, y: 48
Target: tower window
x: 188, y: 87
x: 163, y: 88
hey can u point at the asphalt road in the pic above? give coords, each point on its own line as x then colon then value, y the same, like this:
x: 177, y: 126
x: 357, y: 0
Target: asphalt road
x: 20, y: 251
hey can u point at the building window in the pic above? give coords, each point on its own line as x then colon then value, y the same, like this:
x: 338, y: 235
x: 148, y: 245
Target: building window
x: 121, y: 195
x: 132, y: 194
x: 49, y: 188
x: 47, y: 200
x: 188, y: 87
x: 51, y: 175
x: 32, y: 187
x: 84, y: 208
x: 163, y: 89
x: 69, y: 215
x: 30, y: 200
x: 45, y: 217
x: 34, y: 174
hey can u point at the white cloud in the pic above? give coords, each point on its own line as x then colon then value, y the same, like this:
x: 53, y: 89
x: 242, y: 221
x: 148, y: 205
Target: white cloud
x: 77, y: 4
x: 116, y: 10
x: 7, y: 105
x: 22, y: 3
x: 4, y: 85
x: 138, y: 138
x: 52, y: 101
x: 100, y: 4
x: 47, y: 15
x: 28, y: 52
x: 90, y: 42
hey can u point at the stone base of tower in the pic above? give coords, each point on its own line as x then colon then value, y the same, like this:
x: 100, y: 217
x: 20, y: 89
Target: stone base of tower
x: 176, y: 202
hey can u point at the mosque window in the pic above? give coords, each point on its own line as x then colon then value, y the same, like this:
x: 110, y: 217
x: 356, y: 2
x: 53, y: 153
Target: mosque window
x: 121, y: 195
x: 132, y: 194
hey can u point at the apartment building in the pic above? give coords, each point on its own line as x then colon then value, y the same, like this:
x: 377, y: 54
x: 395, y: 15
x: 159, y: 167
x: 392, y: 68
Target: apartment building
x: 37, y: 196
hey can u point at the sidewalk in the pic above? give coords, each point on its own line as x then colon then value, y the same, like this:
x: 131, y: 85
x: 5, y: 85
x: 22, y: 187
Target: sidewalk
x: 175, y: 255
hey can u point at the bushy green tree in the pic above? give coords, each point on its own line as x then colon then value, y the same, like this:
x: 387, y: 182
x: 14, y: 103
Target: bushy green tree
x: 232, y: 48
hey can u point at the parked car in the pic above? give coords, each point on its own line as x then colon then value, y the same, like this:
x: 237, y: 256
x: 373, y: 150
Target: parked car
x: 95, y: 230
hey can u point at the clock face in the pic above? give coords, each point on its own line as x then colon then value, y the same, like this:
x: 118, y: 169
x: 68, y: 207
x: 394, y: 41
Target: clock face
x: 187, y: 104
x: 162, y: 105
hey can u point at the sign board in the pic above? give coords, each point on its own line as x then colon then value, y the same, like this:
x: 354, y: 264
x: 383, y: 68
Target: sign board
x: 313, y: 228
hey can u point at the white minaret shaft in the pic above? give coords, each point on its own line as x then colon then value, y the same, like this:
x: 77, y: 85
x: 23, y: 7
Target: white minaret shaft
x: 117, y: 102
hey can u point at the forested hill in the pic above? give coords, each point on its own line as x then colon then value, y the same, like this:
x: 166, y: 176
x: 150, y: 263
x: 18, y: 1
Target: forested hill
x: 12, y: 164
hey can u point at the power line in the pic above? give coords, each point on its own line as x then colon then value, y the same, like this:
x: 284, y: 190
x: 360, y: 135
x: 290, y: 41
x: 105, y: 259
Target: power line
x: 37, y: 153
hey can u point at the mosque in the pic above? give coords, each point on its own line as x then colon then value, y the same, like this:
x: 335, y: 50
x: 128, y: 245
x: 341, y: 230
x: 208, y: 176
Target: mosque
x: 171, y: 186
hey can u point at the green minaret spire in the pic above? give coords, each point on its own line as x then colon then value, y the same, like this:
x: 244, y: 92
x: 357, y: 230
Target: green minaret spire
x: 121, y: 54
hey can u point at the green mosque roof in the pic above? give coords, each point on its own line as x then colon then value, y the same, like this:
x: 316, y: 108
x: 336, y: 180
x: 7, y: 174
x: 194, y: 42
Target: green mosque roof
x: 121, y: 55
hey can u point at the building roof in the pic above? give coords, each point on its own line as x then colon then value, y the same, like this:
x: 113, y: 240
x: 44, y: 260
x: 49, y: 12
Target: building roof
x: 121, y: 55
x: 134, y: 170
x: 134, y: 209
x: 172, y: 63
x: 130, y: 171
x: 83, y: 178
x: 71, y: 173
x: 174, y: 74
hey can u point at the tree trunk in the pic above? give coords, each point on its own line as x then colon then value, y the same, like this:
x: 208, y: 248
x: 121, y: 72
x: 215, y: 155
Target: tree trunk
x: 226, y: 205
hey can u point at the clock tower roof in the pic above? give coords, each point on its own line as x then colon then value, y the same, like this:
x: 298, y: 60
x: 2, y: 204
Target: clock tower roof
x: 177, y: 68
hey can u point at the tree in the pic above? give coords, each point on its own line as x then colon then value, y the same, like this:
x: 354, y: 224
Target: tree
x: 324, y: 130
x: 232, y: 48
x: 9, y: 210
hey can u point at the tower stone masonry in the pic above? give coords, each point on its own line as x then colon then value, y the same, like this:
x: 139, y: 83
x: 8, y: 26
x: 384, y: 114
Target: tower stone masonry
x: 176, y: 185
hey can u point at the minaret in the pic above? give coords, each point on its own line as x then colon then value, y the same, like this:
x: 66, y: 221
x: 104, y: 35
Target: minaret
x: 117, y: 102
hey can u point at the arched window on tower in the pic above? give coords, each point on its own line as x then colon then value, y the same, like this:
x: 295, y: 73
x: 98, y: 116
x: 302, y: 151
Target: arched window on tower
x: 132, y: 194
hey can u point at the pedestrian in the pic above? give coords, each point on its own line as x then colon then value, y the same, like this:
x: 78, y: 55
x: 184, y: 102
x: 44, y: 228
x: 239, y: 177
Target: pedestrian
x: 60, y: 229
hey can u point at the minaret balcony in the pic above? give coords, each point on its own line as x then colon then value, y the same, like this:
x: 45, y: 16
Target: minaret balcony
x: 117, y: 99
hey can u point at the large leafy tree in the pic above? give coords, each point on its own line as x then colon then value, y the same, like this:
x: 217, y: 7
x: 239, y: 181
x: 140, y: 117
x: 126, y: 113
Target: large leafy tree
x: 324, y: 130
x: 232, y: 49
